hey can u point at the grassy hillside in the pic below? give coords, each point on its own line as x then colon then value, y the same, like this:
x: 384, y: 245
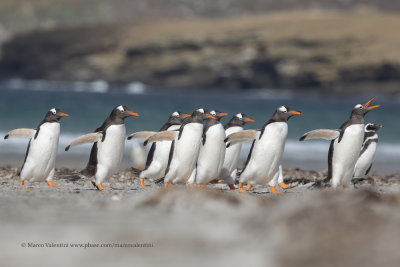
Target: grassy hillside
x: 24, y: 15
x: 338, y: 51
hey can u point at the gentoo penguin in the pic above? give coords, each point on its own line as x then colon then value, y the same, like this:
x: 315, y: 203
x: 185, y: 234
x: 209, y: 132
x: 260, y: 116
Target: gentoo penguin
x: 212, y: 151
x: 184, y: 149
x: 108, y: 147
x: 232, y: 153
x: 40, y: 157
x: 368, y: 149
x: 157, y: 158
x: 266, y: 152
x: 345, y: 145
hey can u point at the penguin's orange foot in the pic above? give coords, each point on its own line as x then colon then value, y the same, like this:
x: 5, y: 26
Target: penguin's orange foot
x: 231, y: 187
x: 167, y: 185
x: 21, y: 183
x: 101, y: 187
x: 50, y: 184
x: 273, y: 190
x: 215, y: 181
x: 201, y: 185
x: 249, y: 187
x: 285, y: 186
x: 241, y: 189
x: 142, y: 183
x: 191, y: 186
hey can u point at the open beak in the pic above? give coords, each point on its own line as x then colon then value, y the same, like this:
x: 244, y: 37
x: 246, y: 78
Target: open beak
x: 211, y: 117
x: 186, y: 115
x: 64, y: 114
x: 222, y: 114
x: 248, y: 120
x: 367, y: 105
x: 294, y: 112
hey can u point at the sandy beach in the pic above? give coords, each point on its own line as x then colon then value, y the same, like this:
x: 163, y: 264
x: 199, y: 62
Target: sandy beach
x: 308, y: 225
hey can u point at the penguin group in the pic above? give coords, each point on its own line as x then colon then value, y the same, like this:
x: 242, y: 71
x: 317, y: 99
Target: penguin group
x: 197, y: 149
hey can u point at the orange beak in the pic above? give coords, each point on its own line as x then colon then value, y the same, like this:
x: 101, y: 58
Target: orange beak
x: 222, y: 114
x: 366, y: 106
x: 64, y: 114
x: 186, y: 115
x: 295, y: 112
x: 249, y: 120
x: 211, y: 117
x: 133, y: 114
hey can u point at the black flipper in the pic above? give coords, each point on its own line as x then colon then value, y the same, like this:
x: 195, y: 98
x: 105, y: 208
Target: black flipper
x: 150, y: 156
x: 369, y: 169
x: 26, y: 155
x: 91, y: 167
x: 171, y: 154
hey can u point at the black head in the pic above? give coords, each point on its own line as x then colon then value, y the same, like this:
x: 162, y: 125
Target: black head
x: 362, y: 109
x: 54, y: 115
x: 121, y: 113
x: 177, y: 117
x: 372, y: 127
x: 201, y: 114
x: 239, y: 120
x: 217, y: 114
x: 283, y: 114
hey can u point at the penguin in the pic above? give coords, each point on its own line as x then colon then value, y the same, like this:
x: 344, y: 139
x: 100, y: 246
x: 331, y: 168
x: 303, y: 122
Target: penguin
x: 157, y: 158
x: 232, y: 153
x: 40, y: 157
x: 185, y: 147
x: 266, y: 152
x: 345, y: 147
x: 107, y: 150
x: 368, y: 149
x: 212, y: 151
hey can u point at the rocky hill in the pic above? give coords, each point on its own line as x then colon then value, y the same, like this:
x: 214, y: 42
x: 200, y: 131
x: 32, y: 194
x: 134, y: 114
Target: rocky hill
x: 325, y: 50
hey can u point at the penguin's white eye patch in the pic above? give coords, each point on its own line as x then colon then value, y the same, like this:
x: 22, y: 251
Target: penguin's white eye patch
x: 175, y: 114
x: 121, y: 108
x: 213, y: 113
x: 200, y: 110
x: 282, y: 109
x: 358, y: 106
x: 239, y: 115
x: 53, y: 110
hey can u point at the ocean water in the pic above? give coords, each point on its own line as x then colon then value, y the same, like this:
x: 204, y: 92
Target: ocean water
x: 24, y: 105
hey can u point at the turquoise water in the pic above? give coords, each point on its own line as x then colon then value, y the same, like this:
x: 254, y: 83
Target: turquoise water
x: 26, y: 108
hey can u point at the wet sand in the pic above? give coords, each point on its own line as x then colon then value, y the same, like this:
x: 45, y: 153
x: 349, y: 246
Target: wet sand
x: 305, y: 226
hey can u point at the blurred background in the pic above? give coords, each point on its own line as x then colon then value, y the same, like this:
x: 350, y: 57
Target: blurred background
x: 157, y: 56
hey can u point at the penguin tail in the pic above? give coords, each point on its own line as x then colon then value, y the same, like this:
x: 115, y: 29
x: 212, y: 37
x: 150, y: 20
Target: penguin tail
x: 67, y: 148
x: 6, y: 137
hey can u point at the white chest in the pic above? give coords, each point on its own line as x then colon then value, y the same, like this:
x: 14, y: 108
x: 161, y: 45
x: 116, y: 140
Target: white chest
x: 110, y: 150
x: 48, y: 136
x: 274, y: 135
